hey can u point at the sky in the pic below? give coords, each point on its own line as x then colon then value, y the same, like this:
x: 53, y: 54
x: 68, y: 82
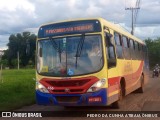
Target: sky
x: 17, y: 16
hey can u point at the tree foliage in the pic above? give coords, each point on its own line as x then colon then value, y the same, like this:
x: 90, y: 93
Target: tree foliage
x: 25, y: 44
x: 153, y: 51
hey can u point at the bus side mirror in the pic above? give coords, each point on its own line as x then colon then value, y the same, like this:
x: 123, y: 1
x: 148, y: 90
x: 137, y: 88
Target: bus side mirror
x: 108, y: 39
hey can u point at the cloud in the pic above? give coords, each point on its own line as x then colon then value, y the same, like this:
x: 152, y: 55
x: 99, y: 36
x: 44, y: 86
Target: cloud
x: 3, y: 41
x: 23, y: 15
x: 11, y: 5
x: 15, y: 16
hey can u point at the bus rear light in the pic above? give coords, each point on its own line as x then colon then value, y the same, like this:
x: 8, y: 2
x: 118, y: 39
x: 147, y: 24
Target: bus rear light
x: 94, y: 99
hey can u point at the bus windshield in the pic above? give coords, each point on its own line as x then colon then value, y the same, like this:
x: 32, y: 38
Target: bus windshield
x: 70, y: 56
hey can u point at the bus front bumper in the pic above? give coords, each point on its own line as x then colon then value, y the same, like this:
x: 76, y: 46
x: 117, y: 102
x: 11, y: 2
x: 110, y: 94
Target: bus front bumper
x: 98, y: 98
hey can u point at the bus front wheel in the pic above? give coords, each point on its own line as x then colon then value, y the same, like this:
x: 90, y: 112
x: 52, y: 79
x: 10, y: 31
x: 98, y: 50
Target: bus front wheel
x: 118, y: 104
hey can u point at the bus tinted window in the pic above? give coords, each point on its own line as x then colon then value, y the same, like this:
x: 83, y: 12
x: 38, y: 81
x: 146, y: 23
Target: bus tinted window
x: 125, y: 42
x: 131, y: 44
x: 117, y: 39
x: 137, y: 51
x: 132, y: 49
x: 136, y: 45
x: 128, y: 43
x: 118, y: 42
x: 126, y: 49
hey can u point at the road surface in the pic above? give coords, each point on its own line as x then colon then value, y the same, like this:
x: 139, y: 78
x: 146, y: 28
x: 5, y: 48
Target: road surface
x: 147, y: 101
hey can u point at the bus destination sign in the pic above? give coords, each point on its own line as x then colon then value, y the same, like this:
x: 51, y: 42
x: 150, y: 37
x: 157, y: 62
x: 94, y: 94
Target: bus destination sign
x: 67, y: 28
x: 88, y: 27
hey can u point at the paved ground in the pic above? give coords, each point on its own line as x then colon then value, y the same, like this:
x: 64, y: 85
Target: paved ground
x: 147, y: 101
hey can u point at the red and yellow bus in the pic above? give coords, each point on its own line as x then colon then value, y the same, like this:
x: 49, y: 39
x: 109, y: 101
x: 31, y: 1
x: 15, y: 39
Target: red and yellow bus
x: 88, y: 62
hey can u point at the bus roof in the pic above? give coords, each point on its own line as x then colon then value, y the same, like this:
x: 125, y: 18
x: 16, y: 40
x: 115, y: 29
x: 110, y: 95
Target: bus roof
x: 104, y: 23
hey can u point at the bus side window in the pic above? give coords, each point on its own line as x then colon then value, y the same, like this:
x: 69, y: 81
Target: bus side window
x: 110, y: 51
x: 126, y: 48
x: 143, y: 55
x: 118, y: 42
x: 136, y: 50
x: 132, y: 49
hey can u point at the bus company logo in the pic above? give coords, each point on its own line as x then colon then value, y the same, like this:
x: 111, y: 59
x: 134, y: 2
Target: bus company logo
x: 50, y: 88
x: 67, y: 90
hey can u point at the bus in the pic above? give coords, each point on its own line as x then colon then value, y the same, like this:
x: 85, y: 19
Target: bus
x: 88, y: 62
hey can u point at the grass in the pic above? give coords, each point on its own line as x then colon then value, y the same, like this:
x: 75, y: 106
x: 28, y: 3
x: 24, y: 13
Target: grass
x: 17, y: 89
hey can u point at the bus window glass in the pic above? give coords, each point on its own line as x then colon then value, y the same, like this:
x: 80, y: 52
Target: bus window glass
x: 117, y: 39
x: 125, y: 42
x: 118, y: 42
x: 137, y: 50
x: 128, y: 43
x: 110, y: 51
x: 131, y: 44
x: 126, y: 50
x: 132, y: 49
x: 70, y: 56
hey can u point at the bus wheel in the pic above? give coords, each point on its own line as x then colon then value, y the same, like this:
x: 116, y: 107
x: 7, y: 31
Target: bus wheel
x: 141, y: 89
x: 118, y: 104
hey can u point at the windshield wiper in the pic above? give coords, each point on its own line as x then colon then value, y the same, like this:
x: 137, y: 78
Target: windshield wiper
x: 56, y: 47
x: 79, y: 48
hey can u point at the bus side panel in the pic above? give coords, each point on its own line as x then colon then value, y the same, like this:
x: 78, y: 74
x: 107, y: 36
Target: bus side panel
x: 113, y: 89
x: 135, y: 83
x: 114, y: 82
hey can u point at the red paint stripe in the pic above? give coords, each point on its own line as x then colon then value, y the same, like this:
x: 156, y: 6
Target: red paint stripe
x: 113, y: 81
x: 113, y: 88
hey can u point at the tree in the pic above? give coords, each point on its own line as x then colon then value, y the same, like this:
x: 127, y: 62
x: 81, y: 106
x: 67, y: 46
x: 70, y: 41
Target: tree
x: 25, y: 44
x: 153, y: 51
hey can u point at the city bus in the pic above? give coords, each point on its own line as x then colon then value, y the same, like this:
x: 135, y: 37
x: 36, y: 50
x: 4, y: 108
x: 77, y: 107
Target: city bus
x: 88, y: 62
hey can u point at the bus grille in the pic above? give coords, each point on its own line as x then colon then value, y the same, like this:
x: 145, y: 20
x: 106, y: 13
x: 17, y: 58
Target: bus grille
x: 69, y: 86
x: 68, y: 83
x: 72, y: 90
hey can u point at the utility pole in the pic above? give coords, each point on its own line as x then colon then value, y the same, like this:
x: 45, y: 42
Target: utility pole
x: 132, y: 10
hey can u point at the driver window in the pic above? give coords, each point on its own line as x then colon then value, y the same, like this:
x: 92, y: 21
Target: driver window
x: 110, y: 51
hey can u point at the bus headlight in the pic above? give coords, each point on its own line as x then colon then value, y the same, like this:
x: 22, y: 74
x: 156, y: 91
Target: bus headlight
x: 41, y: 88
x: 97, y: 86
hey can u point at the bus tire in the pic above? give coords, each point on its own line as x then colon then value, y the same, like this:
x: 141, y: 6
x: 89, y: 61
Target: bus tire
x: 141, y: 89
x: 118, y: 104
